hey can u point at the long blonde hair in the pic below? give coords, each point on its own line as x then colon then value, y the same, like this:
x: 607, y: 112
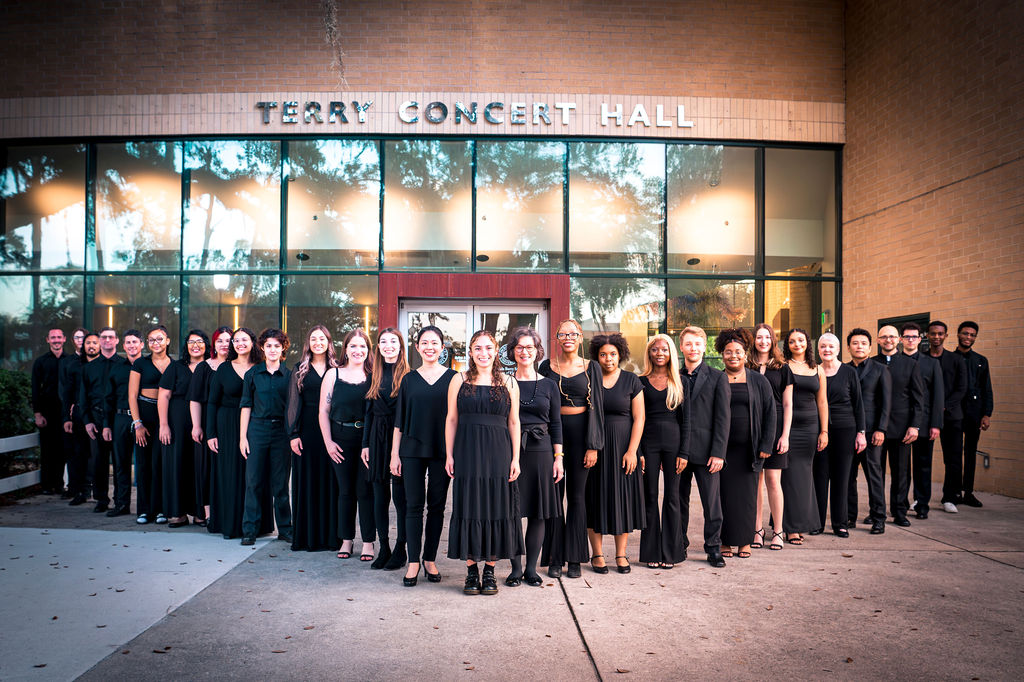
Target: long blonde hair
x: 674, y: 390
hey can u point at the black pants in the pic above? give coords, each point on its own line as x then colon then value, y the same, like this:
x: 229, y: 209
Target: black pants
x: 832, y: 470
x: 123, y: 447
x: 353, y: 485
x: 898, y: 454
x: 101, y: 454
x: 921, y: 468
x: 78, y: 450
x: 871, y: 461
x: 567, y: 540
x: 148, y: 480
x: 952, y: 439
x: 383, y: 492
x: 51, y: 453
x: 708, y: 485
x: 268, y: 464
x: 972, y: 433
x: 660, y: 541
x: 426, y: 484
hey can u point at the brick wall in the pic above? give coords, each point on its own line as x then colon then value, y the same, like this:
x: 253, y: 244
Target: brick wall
x: 932, y: 201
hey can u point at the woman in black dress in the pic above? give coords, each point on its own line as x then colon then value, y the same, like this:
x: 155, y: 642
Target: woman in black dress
x: 143, y: 389
x: 662, y: 451
x: 227, y: 466
x: 766, y: 359
x: 809, y: 434
x: 198, y: 394
x: 579, y: 382
x: 615, y: 490
x: 314, y: 489
x: 341, y: 413
x: 846, y: 435
x: 540, y: 451
x: 418, y: 453
x: 482, y: 456
x: 178, y: 455
x: 751, y: 435
x: 389, y: 368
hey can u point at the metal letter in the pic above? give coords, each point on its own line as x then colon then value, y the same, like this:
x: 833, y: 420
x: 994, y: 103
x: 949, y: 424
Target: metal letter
x: 312, y: 111
x: 290, y: 112
x: 659, y: 117
x: 639, y: 114
x: 337, y: 109
x: 517, y: 116
x: 460, y: 111
x: 616, y: 114
x: 403, y: 111
x: 681, y: 121
x: 440, y: 106
x: 266, y: 107
x: 565, y: 108
x: 540, y: 111
x: 361, y: 110
x: 491, y: 118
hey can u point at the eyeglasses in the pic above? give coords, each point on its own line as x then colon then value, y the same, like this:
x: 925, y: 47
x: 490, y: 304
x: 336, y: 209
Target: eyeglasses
x: 911, y: 337
x: 525, y: 349
x: 197, y: 343
x: 888, y: 336
x: 155, y: 339
x: 568, y: 335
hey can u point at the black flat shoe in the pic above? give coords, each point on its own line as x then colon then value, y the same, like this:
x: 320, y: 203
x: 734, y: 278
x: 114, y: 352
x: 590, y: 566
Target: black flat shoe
x: 488, y: 585
x: 878, y: 527
x: 817, y: 531
x: 533, y: 580
x: 574, y: 571
x: 472, y: 584
x: 513, y: 580
x: 601, y: 570
x: 100, y: 508
x: 971, y: 501
x: 431, y: 577
x: 118, y: 511
x: 841, y: 533
x: 555, y: 572
x: 903, y: 523
x: 248, y: 540
x: 622, y: 569
x: 397, y: 560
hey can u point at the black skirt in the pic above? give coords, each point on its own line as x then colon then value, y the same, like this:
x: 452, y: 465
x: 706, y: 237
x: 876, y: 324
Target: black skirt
x: 537, y: 495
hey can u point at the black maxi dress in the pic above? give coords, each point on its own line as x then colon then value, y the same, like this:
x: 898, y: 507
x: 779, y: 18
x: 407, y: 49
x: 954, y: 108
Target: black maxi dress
x: 177, y: 459
x: 800, y: 514
x: 314, y: 488
x: 199, y: 392
x: 615, y: 499
x: 483, y: 525
x: 779, y: 379
x: 227, y: 466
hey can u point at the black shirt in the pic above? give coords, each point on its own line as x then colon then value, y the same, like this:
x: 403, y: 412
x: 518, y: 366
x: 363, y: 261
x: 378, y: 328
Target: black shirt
x: 421, y: 413
x: 574, y: 391
x: 177, y: 378
x: 45, y: 384
x: 93, y: 392
x: 845, y: 408
x: 116, y: 395
x: 70, y: 383
x: 954, y: 381
x: 383, y: 406
x: 348, y: 400
x: 977, y: 401
x: 538, y: 404
x: 149, y: 374
x: 265, y: 393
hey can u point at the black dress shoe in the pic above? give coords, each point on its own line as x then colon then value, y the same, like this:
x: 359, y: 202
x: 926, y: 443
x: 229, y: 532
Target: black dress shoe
x: 971, y: 501
x: 555, y: 571
x: 398, y: 558
x: 600, y: 570
x: 716, y: 559
x: 100, y: 508
x: 867, y: 519
x: 472, y: 584
x: 903, y: 522
x: 841, y: 533
x: 878, y: 527
x: 248, y: 540
x: 118, y: 511
x: 622, y: 569
x: 817, y: 531
x: 77, y: 500
x: 285, y: 537
x: 574, y: 571
x: 922, y: 514
x: 514, y: 580
x: 488, y: 585
x: 533, y: 580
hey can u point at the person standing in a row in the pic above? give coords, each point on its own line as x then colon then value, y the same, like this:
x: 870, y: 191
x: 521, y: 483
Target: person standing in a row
x: 118, y: 425
x: 92, y: 400
x: 954, y: 382
x: 876, y: 395
x: 977, y: 406
x: 198, y: 398
x: 76, y: 439
x: 46, y: 406
x: 143, y: 389
x: 930, y: 425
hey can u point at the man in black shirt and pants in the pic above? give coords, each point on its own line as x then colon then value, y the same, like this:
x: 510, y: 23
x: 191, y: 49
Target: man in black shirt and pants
x: 977, y: 405
x: 931, y: 417
x: 954, y: 379
x: 117, y: 427
x: 76, y: 438
x: 47, y: 408
x: 876, y: 395
x: 92, y: 399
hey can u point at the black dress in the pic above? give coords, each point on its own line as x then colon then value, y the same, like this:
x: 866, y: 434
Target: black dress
x: 738, y: 479
x: 227, y: 466
x: 177, y: 459
x: 615, y: 499
x: 199, y: 392
x: 483, y: 525
x: 541, y: 426
x: 779, y: 379
x: 660, y: 446
x: 314, y: 488
x: 800, y: 513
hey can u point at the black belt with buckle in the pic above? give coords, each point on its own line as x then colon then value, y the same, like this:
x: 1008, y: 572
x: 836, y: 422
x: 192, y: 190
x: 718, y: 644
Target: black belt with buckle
x: 354, y: 425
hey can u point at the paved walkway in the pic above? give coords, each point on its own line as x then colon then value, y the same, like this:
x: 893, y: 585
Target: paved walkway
x: 104, y: 599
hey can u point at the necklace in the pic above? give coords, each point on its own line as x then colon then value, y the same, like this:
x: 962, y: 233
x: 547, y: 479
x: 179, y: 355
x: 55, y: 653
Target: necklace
x: 536, y: 383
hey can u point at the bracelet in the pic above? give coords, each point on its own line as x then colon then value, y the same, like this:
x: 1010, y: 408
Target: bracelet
x: 136, y: 424
x: 558, y: 454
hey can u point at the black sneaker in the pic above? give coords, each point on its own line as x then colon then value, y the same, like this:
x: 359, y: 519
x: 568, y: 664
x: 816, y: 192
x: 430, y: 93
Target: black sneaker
x: 119, y: 511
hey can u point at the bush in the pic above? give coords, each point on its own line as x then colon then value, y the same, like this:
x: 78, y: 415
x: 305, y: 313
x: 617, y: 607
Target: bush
x: 15, y: 399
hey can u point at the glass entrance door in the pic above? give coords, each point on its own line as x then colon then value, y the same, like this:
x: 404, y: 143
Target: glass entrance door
x: 459, y: 319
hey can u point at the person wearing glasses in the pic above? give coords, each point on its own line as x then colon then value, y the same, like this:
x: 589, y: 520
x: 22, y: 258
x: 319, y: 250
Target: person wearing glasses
x: 930, y: 421
x: 143, y: 390
x: 92, y: 399
x: 198, y: 396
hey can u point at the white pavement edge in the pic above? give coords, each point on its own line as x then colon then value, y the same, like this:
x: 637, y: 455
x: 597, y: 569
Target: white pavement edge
x: 68, y: 598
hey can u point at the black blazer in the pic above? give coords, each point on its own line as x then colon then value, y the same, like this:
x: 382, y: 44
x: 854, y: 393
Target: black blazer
x: 954, y: 380
x: 762, y: 419
x: 876, y: 396
x: 934, y: 391
x: 907, y: 395
x: 709, y: 415
x: 978, y: 401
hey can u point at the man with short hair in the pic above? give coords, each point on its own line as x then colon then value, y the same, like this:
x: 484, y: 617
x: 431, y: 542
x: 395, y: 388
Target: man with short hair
x: 47, y: 408
x: 954, y: 381
x: 76, y: 438
x: 931, y: 417
x: 977, y: 405
x: 117, y: 427
x: 706, y: 396
x: 876, y: 395
x: 92, y: 398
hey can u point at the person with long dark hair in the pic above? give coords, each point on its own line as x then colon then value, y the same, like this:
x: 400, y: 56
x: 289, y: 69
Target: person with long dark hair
x: 198, y: 395
x: 389, y: 368
x: 314, y: 488
x: 418, y: 453
x: 482, y: 456
x: 342, y: 409
x: 178, y: 456
x: 143, y: 389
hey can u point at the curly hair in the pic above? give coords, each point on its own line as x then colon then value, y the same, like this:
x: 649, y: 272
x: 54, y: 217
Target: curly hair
x: 255, y: 355
x: 614, y: 339
x: 302, y: 369
x: 399, y: 371
x: 278, y: 336
x: 738, y: 335
x: 498, y: 387
x: 808, y: 354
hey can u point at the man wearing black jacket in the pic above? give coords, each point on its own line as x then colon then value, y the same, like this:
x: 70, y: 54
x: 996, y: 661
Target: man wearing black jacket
x: 954, y: 380
x: 117, y: 427
x: 47, y: 408
x: 876, y: 395
x: 76, y: 440
x: 931, y: 417
x: 977, y: 405
x: 706, y: 396
x: 904, y: 417
x: 92, y: 399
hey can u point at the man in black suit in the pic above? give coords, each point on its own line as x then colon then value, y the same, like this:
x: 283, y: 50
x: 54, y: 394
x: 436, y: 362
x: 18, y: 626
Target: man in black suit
x: 47, y: 408
x: 954, y: 380
x: 904, y: 417
x: 977, y: 405
x: 706, y: 396
x: 876, y: 394
x: 931, y: 417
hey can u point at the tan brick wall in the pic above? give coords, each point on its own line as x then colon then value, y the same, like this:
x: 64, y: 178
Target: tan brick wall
x: 932, y: 201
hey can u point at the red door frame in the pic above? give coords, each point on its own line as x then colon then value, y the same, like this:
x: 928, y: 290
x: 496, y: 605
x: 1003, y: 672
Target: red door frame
x: 554, y: 289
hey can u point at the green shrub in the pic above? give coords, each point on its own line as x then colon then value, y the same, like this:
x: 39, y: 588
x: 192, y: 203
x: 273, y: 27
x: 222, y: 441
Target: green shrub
x: 15, y: 399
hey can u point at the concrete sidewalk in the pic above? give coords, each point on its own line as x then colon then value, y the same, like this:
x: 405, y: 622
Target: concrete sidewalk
x: 940, y: 600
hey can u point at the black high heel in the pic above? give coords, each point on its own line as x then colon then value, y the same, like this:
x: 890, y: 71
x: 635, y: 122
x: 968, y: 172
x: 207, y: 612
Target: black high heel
x: 431, y: 577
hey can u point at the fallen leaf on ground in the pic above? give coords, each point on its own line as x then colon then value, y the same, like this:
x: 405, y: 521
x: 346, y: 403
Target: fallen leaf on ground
x: 847, y: 556
x: 309, y: 627
x: 278, y: 651
x: 43, y: 665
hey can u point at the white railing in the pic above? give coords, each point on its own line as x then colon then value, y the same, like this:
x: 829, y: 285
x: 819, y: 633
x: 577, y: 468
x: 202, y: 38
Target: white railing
x: 13, y: 444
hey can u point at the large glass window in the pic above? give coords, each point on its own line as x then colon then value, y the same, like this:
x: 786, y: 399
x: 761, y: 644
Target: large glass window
x: 800, y: 212
x: 810, y: 306
x: 42, y: 190
x: 633, y: 307
x: 333, y: 204
x: 31, y: 305
x: 339, y: 302
x: 710, y: 304
x: 519, y: 200
x: 711, y: 221
x: 616, y: 206
x: 234, y: 301
x: 428, y: 205
x: 138, y: 302
x: 234, y: 209
x: 138, y: 206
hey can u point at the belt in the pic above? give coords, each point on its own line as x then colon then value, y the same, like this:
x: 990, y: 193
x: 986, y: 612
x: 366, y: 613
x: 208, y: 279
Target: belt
x: 269, y: 420
x: 354, y: 425
x: 534, y: 431
x: 125, y: 412
x: 147, y: 399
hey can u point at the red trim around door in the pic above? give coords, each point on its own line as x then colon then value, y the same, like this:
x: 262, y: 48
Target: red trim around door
x: 396, y: 285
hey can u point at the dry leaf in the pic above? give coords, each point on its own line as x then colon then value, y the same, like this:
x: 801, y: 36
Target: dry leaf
x: 54, y: 618
x: 93, y: 594
x: 769, y: 607
x: 309, y: 627
x: 167, y: 550
x: 847, y: 556
x: 119, y: 590
x: 126, y: 651
x: 43, y: 665
x: 849, y: 660
x: 547, y: 635
x: 159, y: 651
x: 621, y: 670
x: 472, y: 667
x: 272, y: 556
x: 278, y: 651
x: 264, y: 611
x: 288, y: 637
x: 101, y: 626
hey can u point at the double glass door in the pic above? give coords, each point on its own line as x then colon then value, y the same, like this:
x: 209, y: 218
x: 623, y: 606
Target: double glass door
x: 459, y: 319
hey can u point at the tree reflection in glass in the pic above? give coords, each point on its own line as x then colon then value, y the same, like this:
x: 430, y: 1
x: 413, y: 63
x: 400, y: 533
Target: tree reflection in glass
x: 233, y: 300
x: 634, y: 307
x: 30, y: 305
x: 712, y: 305
x: 139, y: 301
x: 339, y: 302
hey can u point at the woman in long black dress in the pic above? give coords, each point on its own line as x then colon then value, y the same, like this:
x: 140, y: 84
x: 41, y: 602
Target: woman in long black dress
x: 341, y: 413
x: 389, y: 368
x: 418, y: 453
x: 662, y: 451
x: 227, y: 466
x: 846, y: 435
x: 540, y: 451
x: 482, y: 448
x: 143, y: 390
x: 314, y: 488
x: 751, y: 434
x: 809, y: 434
x: 178, y: 455
x: 579, y: 381
x: 767, y: 359
x: 198, y: 394
x: 615, y: 490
